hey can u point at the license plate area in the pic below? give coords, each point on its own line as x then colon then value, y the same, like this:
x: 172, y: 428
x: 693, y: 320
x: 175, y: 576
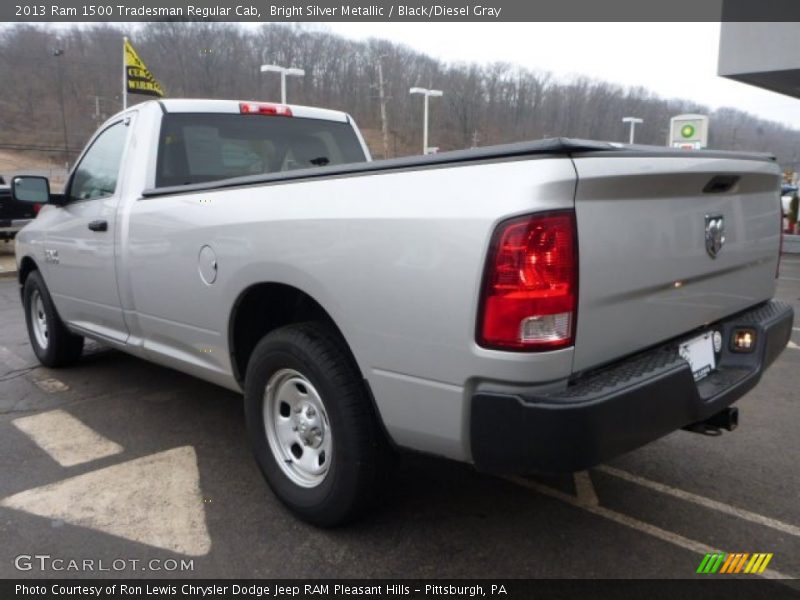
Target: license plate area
x: 699, y: 353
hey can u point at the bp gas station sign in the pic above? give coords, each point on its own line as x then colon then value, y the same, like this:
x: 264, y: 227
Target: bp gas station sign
x: 689, y: 132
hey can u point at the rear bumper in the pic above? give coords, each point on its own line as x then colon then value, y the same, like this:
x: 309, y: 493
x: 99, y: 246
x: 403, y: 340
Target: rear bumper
x: 622, y: 406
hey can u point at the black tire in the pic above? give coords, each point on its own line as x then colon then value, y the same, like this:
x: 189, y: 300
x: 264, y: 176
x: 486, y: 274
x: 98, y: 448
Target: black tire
x: 62, y: 347
x: 360, y: 453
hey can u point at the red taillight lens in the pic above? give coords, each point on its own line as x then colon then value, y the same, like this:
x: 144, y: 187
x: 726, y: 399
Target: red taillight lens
x: 260, y: 108
x: 530, y: 288
x: 36, y: 208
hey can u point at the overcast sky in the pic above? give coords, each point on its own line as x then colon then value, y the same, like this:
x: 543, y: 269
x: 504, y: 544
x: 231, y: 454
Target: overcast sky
x: 671, y: 59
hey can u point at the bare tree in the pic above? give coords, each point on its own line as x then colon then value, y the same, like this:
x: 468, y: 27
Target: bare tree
x: 488, y: 104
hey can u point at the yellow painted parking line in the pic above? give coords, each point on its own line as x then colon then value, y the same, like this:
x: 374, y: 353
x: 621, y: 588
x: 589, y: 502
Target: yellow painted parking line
x: 153, y: 500
x: 622, y: 519
x: 66, y: 439
x: 716, y: 505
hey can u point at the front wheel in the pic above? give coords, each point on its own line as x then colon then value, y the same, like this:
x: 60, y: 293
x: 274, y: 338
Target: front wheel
x: 312, y: 426
x: 53, y: 344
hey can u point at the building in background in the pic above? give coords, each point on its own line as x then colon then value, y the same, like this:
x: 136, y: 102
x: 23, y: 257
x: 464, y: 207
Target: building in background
x: 766, y: 55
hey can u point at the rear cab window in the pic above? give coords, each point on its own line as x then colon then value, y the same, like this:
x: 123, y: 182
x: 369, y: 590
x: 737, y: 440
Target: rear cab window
x: 203, y: 147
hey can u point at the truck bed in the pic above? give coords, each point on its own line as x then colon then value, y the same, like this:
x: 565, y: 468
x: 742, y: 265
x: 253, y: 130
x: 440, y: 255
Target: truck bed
x: 551, y: 147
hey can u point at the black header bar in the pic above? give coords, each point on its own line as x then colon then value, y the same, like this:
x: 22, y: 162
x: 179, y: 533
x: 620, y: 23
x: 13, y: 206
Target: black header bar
x: 400, y: 589
x: 400, y: 11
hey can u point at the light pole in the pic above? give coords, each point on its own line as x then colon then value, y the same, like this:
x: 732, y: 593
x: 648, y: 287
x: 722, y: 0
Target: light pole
x: 633, y: 121
x: 427, y: 94
x: 60, y: 52
x: 382, y: 96
x: 284, y: 71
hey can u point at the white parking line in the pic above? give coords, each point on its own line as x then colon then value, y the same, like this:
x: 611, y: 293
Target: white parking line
x: 741, y: 513
x: 641, y: 526
x: 584, y: 489
x: 793, y: 346
x: 154, y: 500
x: 66, y: 439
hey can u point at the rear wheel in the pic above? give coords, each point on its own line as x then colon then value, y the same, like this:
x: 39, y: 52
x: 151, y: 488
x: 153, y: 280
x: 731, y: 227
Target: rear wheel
x: 53, y: 344
x: 311, y: 424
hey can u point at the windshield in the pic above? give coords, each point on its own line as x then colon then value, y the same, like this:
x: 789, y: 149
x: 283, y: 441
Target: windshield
x: 201, y: 147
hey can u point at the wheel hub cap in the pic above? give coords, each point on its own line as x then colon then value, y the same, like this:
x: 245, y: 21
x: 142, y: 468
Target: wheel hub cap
x: 39, y: 320
x: 297, y: 427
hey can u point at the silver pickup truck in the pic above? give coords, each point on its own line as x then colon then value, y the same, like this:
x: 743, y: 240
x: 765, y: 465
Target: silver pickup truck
x: 539, y: 306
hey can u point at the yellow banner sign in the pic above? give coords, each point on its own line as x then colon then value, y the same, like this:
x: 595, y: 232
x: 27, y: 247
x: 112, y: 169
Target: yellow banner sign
x: 138, y: 77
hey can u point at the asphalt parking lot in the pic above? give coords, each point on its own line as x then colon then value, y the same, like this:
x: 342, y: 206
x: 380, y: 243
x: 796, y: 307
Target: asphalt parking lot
x: 118, y: 459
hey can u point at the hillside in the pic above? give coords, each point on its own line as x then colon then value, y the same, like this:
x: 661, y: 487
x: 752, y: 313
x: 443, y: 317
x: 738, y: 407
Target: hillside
x: 25, y: 162
x: 482, y: 104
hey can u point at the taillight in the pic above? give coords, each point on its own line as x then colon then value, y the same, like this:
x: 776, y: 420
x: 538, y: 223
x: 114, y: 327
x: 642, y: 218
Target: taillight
x: 530, y: 289
x: 36, y: 208
x: 261, y: 108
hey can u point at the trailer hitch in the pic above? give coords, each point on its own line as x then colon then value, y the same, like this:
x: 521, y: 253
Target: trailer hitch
x: 727, y: 418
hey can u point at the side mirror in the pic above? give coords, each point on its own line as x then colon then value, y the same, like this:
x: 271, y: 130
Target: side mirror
x: 30, y: 188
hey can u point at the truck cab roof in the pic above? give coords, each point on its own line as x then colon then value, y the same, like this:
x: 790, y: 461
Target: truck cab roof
x: 180, y: 105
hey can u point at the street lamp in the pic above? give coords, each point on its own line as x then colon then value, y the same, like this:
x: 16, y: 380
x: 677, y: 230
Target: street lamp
x: 427, y: 94
x: 633, y: 121
x: 284, y: 71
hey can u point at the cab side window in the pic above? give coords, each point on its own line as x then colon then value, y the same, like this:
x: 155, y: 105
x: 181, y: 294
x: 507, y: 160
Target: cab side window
x: 96, y: 175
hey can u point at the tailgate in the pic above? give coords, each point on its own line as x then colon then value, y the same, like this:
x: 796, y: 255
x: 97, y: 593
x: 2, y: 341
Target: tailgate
x: 646, y: 274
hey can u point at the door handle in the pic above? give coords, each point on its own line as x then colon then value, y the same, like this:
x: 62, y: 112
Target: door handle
x: 99, y: 225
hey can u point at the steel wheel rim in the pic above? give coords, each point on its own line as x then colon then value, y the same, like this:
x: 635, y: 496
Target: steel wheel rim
x: 297, y: 427
x: 39, y: 320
